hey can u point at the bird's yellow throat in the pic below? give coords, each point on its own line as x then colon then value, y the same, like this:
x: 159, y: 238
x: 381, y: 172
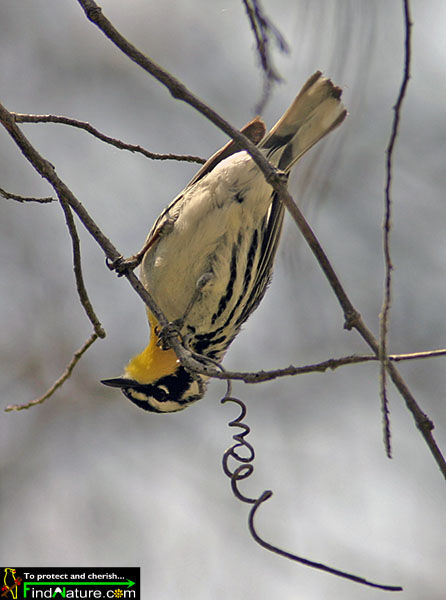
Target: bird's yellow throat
x: 153, y: 362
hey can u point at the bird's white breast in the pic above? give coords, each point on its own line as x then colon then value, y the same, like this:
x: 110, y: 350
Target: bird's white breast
x: 214, y: 214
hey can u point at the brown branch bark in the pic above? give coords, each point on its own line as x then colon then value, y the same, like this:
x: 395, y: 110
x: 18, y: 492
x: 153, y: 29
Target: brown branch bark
x: 387, y: 226
x: 25, y: 118
x: 22, y: 199
x: 321, y: 367
x: 78, y: 275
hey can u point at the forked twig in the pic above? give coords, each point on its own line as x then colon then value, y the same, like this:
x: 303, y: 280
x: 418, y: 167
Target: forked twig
x: 77, y: 265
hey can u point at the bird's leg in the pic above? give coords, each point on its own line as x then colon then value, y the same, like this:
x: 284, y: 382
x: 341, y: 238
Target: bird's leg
x: 278, y: 176
x: 121, y: 265
x: 201, y: 283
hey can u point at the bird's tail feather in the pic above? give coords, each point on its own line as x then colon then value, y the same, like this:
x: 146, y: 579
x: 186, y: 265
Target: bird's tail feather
x: 315, y: 112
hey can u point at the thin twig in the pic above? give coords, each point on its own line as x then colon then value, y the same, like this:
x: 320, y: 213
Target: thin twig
x: 387, y: 226
x: 321, y: 367
x: 77, y: 266
x: 17, y: 198
x: 56, y: 385
x: 25, y: 118
x: 418, y: 355
x: 262, y: 27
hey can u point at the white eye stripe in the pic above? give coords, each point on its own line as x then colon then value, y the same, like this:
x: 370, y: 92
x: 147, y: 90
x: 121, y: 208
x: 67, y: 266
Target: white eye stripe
x: 160, y: 406
x: 139, y: 395
x: 163, y: 388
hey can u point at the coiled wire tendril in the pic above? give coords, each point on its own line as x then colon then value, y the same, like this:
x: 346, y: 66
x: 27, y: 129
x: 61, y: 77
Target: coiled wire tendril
x: 244, y: 470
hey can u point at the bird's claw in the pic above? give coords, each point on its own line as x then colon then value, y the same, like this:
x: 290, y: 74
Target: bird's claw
x: 169, y: 331
x: 123, y: 265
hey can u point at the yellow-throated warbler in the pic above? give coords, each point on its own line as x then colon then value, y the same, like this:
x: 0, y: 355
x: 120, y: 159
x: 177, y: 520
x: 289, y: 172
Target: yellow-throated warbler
x: 208, y: 258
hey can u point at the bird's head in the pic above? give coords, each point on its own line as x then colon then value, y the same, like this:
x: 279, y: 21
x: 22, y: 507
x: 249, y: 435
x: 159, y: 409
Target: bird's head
x: 169, y: 393
x: 155, y: 380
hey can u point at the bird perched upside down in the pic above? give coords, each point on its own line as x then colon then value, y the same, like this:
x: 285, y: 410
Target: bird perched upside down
x: 208, y: 259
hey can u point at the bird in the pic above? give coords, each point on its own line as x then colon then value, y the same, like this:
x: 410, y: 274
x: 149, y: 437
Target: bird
x: 10, y: 582
x: 208, y: 259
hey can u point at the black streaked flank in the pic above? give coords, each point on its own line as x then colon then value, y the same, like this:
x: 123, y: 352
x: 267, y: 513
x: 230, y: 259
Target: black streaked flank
x: 253, y: 284
x: 202, y: 341
x: 202, y: 346
x: 246, y: 278
x: 269, y: 238
x: 230, y: 287
x: 250, y: 261
x: 215, y: 354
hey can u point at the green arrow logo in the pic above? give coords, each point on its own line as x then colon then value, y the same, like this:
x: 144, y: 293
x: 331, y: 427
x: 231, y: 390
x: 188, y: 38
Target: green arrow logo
x: 28, y: 584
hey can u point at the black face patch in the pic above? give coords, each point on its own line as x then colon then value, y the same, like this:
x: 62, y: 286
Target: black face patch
x: 168, y: 394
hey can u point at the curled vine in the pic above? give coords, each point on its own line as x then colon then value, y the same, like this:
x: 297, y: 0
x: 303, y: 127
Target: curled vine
x: 243, y: 453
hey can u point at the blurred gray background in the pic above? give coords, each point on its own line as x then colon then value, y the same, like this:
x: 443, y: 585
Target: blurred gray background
x: 89, y: 479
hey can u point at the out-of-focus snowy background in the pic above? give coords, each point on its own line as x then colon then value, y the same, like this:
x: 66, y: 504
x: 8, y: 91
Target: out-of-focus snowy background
x: 87, y: 478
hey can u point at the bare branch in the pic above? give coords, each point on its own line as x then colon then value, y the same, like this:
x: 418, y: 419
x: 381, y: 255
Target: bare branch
x: 418, y: 355
x: 321, y: 367
x: 77, y: 265
x: 56, y: 385
x: 387, y: 225
x: 17, y: 198
x: 25, y: 118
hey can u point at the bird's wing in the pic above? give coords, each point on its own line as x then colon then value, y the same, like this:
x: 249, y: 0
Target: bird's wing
x: 254, y: 131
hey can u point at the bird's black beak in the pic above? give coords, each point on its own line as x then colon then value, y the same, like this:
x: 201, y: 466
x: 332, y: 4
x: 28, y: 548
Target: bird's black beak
x: 119, y: 382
